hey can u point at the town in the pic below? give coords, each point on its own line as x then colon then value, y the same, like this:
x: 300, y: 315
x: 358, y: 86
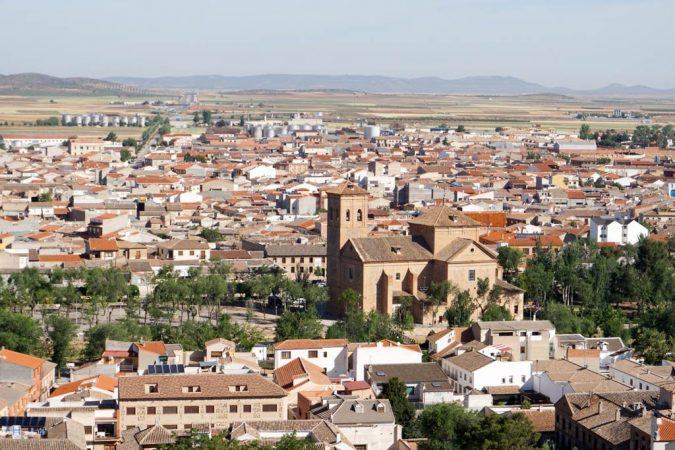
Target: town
x: 282, y: 257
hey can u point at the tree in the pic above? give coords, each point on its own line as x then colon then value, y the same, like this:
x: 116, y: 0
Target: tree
x: 125, y: 330
x: 125, y: 155
x: 112, y: 137
x: 20, y: 333
x: 585, y: 132
x: 61, y: 332
x: 460, y: 129
x: 206, y: 117
x: 46, y: 197
x: 654, y: 345
x: 510, y: 259
x: 357, y: 326
x: 196, y: 118
x: 447, y: 426
x: 494, y: 312
x: 507, y: 431
x: 298, y: 325
x: 211, y: 234
x: 129, y: 142
x: 397, y: 393
x: 499, y: 129
x: 459, y: 314
x: 438, y: 295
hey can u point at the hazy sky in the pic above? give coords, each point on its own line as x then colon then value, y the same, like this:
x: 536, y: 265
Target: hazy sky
x: 572, y: 43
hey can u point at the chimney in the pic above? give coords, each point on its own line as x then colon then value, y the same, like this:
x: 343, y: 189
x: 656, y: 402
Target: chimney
x: 600, y: 407
x: 617, y: 415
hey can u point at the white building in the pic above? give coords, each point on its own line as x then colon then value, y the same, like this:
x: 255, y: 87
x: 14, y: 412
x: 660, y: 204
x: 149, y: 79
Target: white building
x: 382, y: 352
x: 640, y: 376
x: 329, y: 354
x: 622, y: 232
x: 474, y: 370
x: 262, y: 171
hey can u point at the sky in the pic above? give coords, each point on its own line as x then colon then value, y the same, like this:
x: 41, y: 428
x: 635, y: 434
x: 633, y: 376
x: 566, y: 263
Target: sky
x: 581, y: 44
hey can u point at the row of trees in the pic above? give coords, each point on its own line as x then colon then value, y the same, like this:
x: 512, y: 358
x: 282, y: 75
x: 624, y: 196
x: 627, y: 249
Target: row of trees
x: 624, y: 291
x: 450, y: 426
x: 642, y: 136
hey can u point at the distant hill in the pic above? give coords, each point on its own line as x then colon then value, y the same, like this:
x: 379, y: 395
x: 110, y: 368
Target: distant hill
x: 36, y: 84
x: 488, y: 85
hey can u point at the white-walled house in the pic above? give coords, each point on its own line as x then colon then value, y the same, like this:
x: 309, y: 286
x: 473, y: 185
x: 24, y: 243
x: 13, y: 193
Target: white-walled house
x: 475, y: 370
x: 640, y: 376
x: 329, y: 354
x: 261, y: 171
x: 622, y: 232
x: 382, y: 352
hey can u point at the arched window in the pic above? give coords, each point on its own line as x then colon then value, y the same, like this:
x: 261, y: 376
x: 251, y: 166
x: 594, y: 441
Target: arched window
x: 359, y: 216
x: 347, y: 214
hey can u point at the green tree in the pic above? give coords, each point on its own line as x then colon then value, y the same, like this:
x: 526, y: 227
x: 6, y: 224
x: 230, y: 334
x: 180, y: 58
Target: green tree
x: 125, y: 155
x: 495, y: 312
x: 46, y: 197
x: 61, y: 332
x: 585, y: 132
x: 460, y: 129
x: 125, y: 330
x: 459, y: 313
x: 112, y: 137
x: 438, y: 296
x: 206, y: 117
x: 397, y: 393
x: 510, y: 259
x: 298, y: 325
x: 130, y: 142
x: 20, y: 333
x: 211, y: 234
x: 507, y: 431
x: 654, y: 345
x: 447, y: 426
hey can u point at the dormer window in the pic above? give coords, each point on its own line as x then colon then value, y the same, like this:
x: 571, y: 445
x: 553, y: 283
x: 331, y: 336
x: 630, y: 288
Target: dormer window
x: 396, y: 250
x: 191, y: 389
x: 238, y: 388
x: 151, y: 388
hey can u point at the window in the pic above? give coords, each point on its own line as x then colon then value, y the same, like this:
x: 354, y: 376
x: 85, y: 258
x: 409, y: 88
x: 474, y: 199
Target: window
x: 522, y: 378
x: 191, y: 389
x: 351, y: 274
x: 311, y: 259
x: 171, y: 427
x: 216, y: 354
x: 283, y: 260
x: 347, y: 216
x: 269, y: 408
x: 302, y: 259
x: 88, y: 429
x: 238, y: 388
x: 511, y: 379
x: 285, y: 355
x: 293, y: 260
x: 359, y: 216
x: 472, y: 275
x: 503, y: 380
x: 360, y: 447
x: 325, y: 354
x: 247, y: 408
x: 151, y: 388
x: 313, y: 354
x: 151, y: 410
x: 292, y: 269
x: 233, y: 408
x: 522, y: 349
x: 398, y: 276
x: 170, y: 410
x: 515, y: 309
x: 210, y: 409
x: 191, y: 409
x: 131, y: 411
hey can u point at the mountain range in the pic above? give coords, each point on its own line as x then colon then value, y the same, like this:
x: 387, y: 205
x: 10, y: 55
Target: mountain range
x: 35, y: 84
x: 489, y: 85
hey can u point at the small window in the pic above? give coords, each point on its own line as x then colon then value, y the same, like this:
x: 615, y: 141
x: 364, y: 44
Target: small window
x: 359, y: 216
x: 151, y: 410
x: 171, y: 427
x: 151, y: 388
x: 131, y: 411
x: 191, y: 389
x: 313, y: 354
x: 170, y: 410
x: 351, y: 274
x: 210, y: 409
x: 398, y: 276
x: 269, y: 408
x: 238, y: 388
x: 247, y: 408
x: 88, y: 429
x: 191, y: 409
x: 285, y: 355
x: 347, y: 216
x: 233, y: 408
x: 325, y: 354
x: 472, y: 275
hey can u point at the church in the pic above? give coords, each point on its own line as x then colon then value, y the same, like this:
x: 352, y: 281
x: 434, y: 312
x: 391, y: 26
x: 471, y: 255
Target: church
x: 442, y: 245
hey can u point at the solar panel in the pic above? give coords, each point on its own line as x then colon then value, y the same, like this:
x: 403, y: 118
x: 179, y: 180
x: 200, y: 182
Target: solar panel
x: 164, y: 369
x: 24, y: 422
